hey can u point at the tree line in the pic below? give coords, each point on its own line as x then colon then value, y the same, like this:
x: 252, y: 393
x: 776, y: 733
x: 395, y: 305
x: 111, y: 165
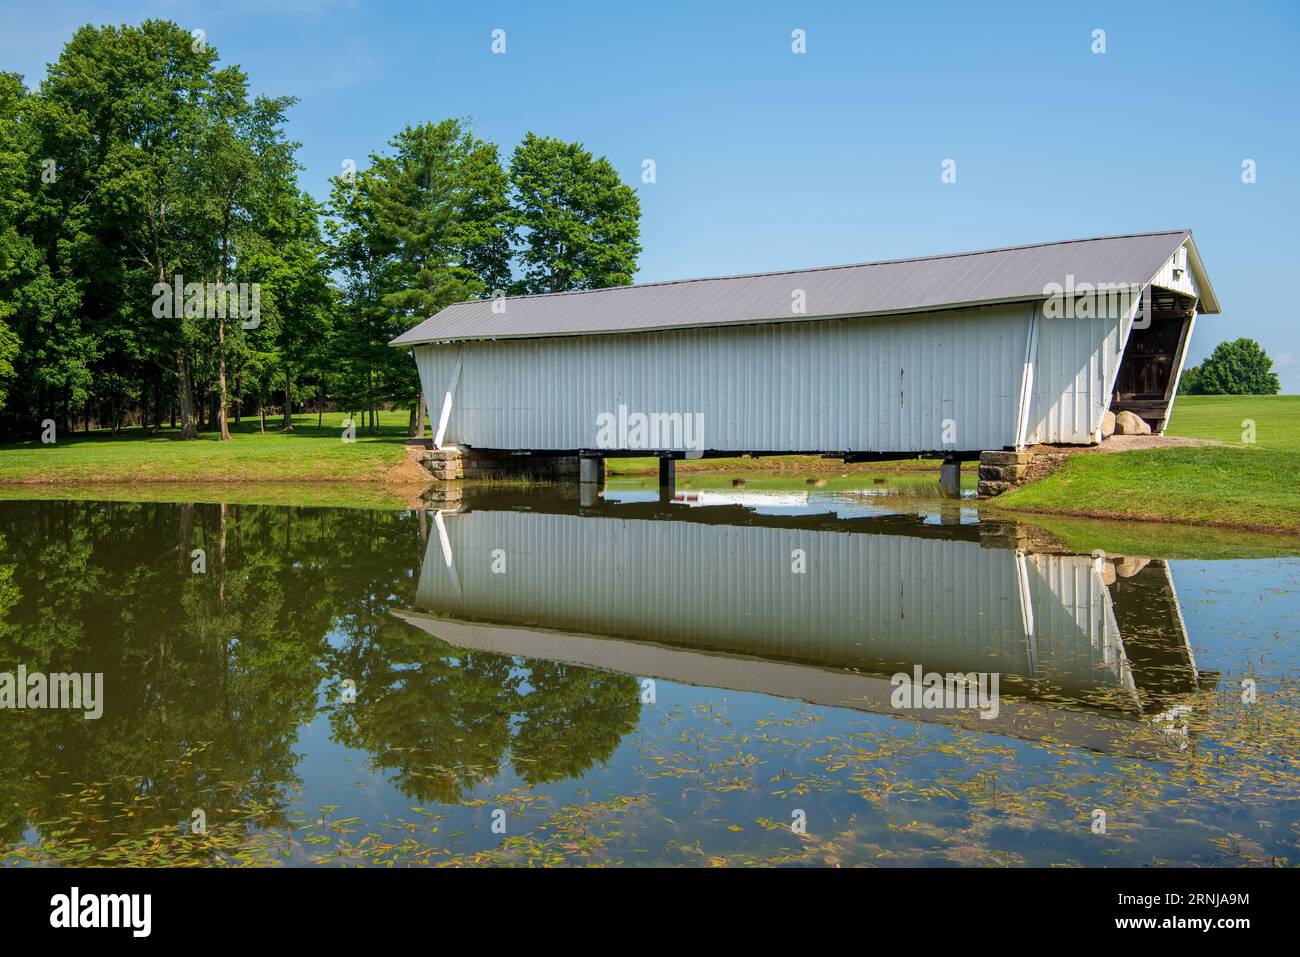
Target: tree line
x: 161, y: 266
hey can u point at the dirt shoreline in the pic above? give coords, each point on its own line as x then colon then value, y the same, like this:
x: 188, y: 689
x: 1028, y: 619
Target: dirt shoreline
x: 1109, y: 515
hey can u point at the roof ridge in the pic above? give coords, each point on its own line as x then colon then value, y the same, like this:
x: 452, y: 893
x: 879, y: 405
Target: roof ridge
x: 808, y: 269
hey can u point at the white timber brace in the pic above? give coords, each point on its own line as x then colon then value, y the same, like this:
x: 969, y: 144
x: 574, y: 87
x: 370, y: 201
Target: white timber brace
x: 1027, y: 378
x: 447, y: 399
x: 1179, y: 360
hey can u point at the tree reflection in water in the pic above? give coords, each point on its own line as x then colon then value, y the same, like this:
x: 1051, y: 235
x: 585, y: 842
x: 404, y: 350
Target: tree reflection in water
x: 210, y: 676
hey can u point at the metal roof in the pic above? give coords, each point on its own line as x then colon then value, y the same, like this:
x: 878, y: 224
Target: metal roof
x: 879, y: 288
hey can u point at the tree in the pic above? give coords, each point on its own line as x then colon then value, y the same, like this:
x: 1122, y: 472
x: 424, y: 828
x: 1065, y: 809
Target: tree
x: 1240, y: 367
x: 292, y: 262
x: 136, y: 168
x: 20, y: 261
x: 246, y: 174
x: 579, y: 223
x: 120, y: 114
x: 426, y: 225
x: 439, y: 202
x: 363, y: 262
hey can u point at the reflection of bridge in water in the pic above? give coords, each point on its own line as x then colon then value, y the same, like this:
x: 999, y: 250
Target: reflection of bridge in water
x: 707, y: 596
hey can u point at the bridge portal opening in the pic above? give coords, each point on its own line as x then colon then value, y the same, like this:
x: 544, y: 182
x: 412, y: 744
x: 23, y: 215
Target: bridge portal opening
x: 1152, y: 359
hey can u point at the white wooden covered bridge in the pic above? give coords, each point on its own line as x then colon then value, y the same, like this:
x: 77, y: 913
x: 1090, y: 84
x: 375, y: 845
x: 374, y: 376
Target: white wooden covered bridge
x: 947, y: 355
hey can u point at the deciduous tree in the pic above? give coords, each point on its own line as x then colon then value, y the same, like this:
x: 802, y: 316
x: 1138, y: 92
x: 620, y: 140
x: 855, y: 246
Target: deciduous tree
x: 579, y: 224
x: 1239, y: 367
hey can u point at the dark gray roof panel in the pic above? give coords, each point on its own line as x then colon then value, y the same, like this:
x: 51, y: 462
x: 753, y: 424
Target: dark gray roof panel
x: 899, y: 286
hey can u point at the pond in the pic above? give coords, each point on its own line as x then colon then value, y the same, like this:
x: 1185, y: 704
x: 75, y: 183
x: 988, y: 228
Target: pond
x: 531, y: 675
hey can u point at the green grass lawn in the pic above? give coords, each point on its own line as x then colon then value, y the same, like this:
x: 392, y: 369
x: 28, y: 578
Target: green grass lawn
x: 308, y: 453
x: 1242, y: 485
x: 1215, y: 486
x: 1224, y: 417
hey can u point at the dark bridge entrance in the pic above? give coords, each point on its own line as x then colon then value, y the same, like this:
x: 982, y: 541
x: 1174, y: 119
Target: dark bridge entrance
x: 1146, y: 381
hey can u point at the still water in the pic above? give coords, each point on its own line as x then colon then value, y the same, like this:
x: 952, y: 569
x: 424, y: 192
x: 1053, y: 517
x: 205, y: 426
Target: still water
x: 525, y: 677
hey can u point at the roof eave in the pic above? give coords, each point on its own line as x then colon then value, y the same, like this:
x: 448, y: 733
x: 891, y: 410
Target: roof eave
x: 1209, y: 304
x: 880, y: 314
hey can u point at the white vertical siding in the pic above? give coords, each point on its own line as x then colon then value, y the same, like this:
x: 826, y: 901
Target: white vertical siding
x: 885, y: 384
x: 1076, y: 361
x: 881, y: 384
x: 1074, y: 370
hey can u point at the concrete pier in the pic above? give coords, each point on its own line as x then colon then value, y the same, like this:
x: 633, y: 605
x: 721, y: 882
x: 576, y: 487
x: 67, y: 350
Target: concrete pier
x: 591, y: 479
x: 667, y: 478
x: 591, y: 470
x: 950, y: 478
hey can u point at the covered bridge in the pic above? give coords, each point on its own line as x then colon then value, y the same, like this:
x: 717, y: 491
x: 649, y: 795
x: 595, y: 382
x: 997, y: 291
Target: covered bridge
x: 948, y: 355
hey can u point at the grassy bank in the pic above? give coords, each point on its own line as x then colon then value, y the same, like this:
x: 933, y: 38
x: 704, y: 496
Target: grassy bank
x: 1237, y: 485
x: 1245, y: 488
x: 311, y: 453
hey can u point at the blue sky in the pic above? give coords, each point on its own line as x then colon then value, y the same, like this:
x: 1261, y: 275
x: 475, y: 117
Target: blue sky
x: 770, y: 160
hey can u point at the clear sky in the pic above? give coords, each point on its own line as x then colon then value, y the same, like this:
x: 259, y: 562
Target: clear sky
x: 767, y: 159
